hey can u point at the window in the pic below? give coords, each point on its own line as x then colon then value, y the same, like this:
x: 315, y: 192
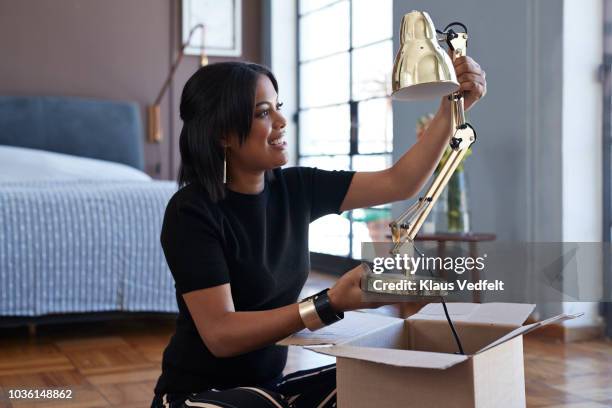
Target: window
x: 344, y: 110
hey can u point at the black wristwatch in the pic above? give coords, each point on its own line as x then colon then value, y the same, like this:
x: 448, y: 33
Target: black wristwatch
x: 324, y: 309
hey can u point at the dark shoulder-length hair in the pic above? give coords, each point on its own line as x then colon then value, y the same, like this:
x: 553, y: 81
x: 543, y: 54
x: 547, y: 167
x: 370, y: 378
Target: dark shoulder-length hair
x: 217, y: 101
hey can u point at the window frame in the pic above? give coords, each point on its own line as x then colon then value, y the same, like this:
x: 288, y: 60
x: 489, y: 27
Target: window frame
x: 353, y: 108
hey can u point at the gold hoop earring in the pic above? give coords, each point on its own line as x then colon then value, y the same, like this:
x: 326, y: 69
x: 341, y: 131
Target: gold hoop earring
x: 225, y: 165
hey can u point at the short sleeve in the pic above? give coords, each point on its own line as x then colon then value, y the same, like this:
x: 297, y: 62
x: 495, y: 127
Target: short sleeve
x: 328, y: 189
x: 193, y: 249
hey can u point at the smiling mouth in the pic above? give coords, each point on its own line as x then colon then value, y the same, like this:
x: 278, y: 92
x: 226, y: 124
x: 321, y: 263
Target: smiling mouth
x: 278, y: 141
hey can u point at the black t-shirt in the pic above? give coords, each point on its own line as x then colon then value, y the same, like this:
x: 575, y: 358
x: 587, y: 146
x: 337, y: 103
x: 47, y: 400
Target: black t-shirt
x: 258, y: 243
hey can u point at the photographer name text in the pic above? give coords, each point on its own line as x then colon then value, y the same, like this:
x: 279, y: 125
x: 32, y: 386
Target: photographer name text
x: 430, y: 285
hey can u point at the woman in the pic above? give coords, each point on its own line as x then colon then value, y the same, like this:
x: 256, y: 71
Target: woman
x: 235, y: 237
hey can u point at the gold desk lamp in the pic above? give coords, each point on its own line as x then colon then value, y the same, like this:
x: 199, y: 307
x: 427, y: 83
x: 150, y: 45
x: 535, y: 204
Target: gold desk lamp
x: 424, y: 70
x: 154, y: 129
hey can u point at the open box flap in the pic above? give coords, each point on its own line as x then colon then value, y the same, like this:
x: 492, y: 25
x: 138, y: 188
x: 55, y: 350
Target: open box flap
x: 394, y: 357
x: 496, y: 313
x: 529, y: 328
x: 354, y: 324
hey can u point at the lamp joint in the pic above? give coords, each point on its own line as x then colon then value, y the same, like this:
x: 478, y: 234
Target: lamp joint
x: 455, y: 142
x: 451, y: 35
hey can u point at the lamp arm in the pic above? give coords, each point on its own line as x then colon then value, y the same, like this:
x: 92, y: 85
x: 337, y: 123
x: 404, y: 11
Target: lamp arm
x: 406, y: 227
x: 177, y: 62
x: 154, y: 130
x: 457, y: 43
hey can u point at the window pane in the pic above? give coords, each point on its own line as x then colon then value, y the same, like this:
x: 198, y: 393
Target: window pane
x: 360, y: 234
x: 375, y: 126
x: 307, y: 6
x: 371, y: 162
x: 372, y: 68
x: 325, y: 81
x: 325, y: 130
x: 316, y: 42
x: 370, y: 225
x: 330, y: 235
x: 372, y: 21
x: 327, y: 162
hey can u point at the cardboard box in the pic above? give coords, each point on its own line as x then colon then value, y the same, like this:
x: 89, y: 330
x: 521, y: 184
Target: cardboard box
x: 391, y: 362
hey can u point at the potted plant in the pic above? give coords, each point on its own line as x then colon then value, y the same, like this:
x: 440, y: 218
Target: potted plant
x: 377, y: 221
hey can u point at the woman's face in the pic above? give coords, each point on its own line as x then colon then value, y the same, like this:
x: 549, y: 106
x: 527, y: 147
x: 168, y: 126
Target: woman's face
x: 265, y: 147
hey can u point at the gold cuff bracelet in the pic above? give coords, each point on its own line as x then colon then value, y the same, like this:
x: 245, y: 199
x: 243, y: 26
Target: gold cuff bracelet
x: 309, y: 315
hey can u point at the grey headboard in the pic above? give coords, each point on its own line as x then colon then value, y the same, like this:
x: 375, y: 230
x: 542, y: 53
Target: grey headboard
x: 98, y: 129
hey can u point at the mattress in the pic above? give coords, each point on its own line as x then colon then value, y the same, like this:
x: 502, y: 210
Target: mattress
x: 74, y: 244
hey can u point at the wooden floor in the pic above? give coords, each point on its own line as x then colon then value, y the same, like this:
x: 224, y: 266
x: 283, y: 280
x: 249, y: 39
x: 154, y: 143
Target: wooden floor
x: 116, y: 364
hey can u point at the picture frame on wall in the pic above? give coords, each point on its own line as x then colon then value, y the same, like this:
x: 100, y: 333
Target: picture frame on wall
x: 222, y: 20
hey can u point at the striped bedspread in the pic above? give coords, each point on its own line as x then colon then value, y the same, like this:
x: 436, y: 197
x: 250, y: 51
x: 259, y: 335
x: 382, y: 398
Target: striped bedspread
x: 83, y: 246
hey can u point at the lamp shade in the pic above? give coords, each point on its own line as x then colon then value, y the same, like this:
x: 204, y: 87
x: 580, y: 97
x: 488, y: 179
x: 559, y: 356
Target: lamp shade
x: 422, y: 69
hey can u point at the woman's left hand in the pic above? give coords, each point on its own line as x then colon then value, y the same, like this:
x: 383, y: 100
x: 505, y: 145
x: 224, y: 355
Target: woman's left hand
x: 472, y: 79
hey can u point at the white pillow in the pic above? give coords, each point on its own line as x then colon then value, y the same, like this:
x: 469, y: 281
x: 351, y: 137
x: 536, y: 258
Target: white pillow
x: 22, y: 164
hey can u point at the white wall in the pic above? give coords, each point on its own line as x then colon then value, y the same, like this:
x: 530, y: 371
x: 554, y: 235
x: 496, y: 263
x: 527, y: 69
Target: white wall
x: 582, y: 134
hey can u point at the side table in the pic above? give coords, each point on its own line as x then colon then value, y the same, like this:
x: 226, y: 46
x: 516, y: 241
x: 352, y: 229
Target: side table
x: 471, y: 238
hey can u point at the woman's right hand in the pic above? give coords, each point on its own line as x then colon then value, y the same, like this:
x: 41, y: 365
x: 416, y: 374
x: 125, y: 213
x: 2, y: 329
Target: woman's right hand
x: 347, y: 295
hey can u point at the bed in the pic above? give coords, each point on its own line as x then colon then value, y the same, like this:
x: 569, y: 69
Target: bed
x: 79, y: 220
